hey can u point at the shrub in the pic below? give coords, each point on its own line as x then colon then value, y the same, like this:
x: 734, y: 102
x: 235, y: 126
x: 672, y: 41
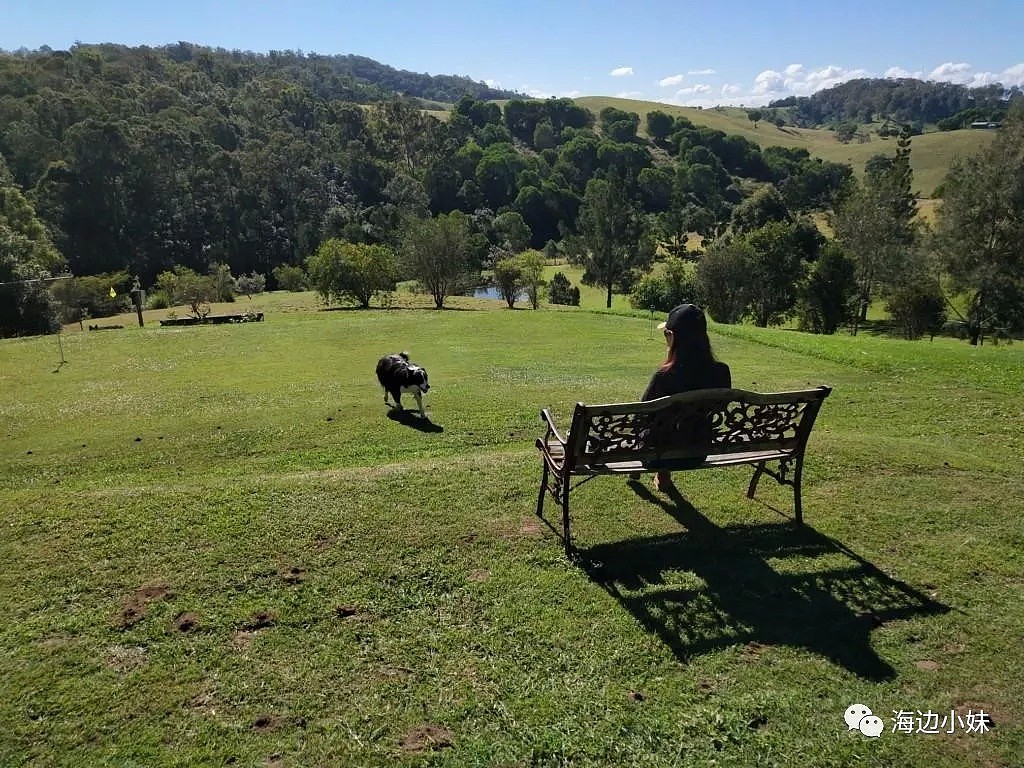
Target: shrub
x: 222, y: 281
x: 675, y: 285
x: 561, y: 291
x: 158, y: 299
x: 829, y: 295
x: 89, y: 296
x: 25, y: 307
x: 723, y: 276
x: 531, y: 265
x: 250, y: 284
x: 507, y: 276
x: 918, y: 308
x: 353, y: 271
x: 290, y: 277
x: 185, y: 286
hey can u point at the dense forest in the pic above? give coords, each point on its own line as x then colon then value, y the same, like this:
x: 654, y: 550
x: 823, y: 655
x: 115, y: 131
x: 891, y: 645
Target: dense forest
x: 186, y: 169
x: 139, y: 159
x: 904, y: 100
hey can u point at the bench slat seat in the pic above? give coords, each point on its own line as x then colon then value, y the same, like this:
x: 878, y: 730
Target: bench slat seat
x: 630, y: 467
x: 702, y: 429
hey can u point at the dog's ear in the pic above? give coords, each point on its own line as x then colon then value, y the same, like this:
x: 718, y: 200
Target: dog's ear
x: 404, y: 356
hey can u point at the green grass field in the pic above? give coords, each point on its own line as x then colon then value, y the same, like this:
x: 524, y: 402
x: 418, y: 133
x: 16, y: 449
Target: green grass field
x: 931, y: 155
x: 218, y: 549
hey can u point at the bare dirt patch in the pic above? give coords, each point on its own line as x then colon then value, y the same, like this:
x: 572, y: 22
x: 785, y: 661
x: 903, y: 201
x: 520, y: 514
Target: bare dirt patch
x: 752, y: 651
x: 424, y: 738
x: 137, y: 604
x: 927, y: 665
x: 294, y: 575
x: 346, y: 611
x: 524, y: 528
x: 124, y: 659
x: 531, y: 527
x: 479, y: 574
x: 186, y: 622
x: 261, y: 620
x: 242, y: 639
x: 267, y: 723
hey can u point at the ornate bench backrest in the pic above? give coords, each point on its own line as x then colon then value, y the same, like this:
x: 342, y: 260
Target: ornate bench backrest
x: 692, y: 425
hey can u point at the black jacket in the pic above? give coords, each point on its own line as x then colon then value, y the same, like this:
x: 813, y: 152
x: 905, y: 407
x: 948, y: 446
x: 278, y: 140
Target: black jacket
x: 683, y: 378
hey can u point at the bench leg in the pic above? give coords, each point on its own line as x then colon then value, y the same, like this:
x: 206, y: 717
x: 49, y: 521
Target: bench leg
x: 543, y: 488
x: 566, y: 536
x: 754, y: 480
x: 797, y: 475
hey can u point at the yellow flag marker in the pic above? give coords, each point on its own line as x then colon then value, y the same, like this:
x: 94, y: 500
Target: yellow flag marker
x: 113, y: 293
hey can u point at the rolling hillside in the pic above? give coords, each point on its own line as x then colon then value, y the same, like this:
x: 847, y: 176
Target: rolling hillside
x: 932, y: 153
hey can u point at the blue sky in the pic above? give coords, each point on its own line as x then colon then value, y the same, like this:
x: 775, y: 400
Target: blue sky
x: 682, y: 52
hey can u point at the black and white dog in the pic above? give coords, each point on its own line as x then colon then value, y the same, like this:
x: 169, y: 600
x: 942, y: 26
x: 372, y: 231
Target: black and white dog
x: 400, y: 377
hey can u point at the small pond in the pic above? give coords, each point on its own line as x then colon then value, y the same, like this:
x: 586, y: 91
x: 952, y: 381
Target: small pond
x: 490, y: 292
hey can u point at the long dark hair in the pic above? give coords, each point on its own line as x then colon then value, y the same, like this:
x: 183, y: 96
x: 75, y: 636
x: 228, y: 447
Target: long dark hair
x: 691, y: 346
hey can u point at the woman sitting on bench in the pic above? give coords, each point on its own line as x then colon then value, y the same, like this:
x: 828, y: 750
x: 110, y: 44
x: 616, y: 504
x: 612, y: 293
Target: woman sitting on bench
x: 689, y: 364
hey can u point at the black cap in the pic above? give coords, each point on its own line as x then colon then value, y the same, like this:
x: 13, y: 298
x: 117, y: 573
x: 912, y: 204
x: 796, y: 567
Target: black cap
x: 685, y: 318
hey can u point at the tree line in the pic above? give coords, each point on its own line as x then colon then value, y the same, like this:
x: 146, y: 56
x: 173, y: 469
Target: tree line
x: 770, y: 266
x: 904, y: 100
x: 162, y: 172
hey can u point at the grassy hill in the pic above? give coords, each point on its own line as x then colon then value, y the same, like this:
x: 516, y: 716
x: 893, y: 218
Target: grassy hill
x: 220, y: 550
x: 931, y: 157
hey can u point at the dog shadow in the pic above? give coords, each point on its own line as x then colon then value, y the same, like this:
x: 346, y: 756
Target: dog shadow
x: 785, y: 584
x: 412, y: 419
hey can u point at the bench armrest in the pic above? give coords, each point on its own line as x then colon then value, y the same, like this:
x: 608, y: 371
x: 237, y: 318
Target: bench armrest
x: 545, y: 416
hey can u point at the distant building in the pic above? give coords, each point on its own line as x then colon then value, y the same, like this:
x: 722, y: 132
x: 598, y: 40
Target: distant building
x: 984, y: 124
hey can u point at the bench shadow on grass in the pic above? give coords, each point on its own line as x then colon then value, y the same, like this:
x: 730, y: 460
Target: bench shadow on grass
x: 413, y: 419
x: 829, y: 608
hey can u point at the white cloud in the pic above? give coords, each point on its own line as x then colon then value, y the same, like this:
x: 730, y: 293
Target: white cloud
x: 811, y: 82
x: 1014, y: 75
x: 693, y: 90
x: 769, y: 81
x: 490, y: 82
x: 1017, y: 70
x: 1008, y: 77
x: 541, y: 93
x: 961, y: 73
x: 621, y: 72
x: 894, y: 73
x: 794, y: 80
x: 670, y: 80
x: 979, y: 79
x: 952, y: 73
x: 701, y: 72
x: 629, y: 95
x: 731, y: 90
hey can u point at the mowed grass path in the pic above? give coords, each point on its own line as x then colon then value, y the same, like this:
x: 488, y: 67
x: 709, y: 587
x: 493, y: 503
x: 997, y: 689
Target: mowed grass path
x: 218, y: 550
